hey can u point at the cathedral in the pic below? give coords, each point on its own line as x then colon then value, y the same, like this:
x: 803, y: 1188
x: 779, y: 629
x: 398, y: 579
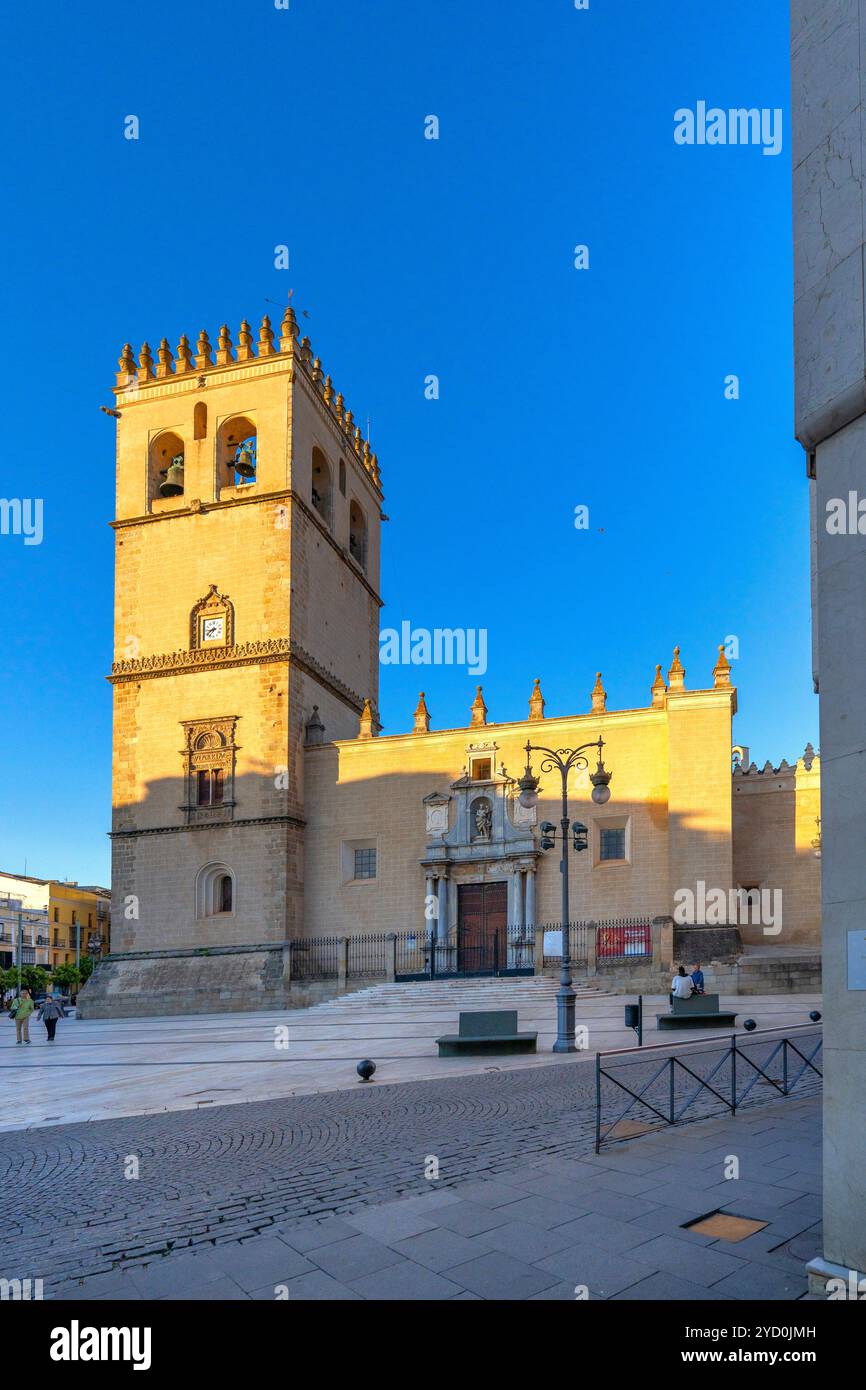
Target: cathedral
x: 257, y: 806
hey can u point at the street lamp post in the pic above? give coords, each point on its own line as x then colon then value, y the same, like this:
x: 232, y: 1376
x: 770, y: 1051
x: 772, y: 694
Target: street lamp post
x: 563, y: 760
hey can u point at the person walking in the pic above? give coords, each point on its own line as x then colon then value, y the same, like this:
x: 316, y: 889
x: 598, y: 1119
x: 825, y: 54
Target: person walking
x: 21, y: 1010
x: 50, y: 1011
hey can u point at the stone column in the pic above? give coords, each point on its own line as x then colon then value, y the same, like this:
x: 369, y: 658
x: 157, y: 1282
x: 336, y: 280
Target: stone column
x: 530, y: 898
x: 592, y: 948
x: 539, y: 950
x: 513, y: 909
x: 391, y: 958
x: 442, y: 922
x: 663, y: 944
x: 343, y: 963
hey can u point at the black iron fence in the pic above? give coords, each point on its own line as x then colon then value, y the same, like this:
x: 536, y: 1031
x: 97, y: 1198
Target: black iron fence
x: 642, y: 1090
x: 504, y: 951
x: 411, y: 955
x: 316, y: 958
x: 367, y: 955
x: 616, y: 938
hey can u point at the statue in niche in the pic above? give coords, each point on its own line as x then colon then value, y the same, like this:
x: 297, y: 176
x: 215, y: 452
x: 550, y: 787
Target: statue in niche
x: 483, y: 820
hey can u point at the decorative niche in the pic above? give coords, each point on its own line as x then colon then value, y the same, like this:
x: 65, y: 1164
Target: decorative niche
x: 209, y: 769
x: 212, y: 622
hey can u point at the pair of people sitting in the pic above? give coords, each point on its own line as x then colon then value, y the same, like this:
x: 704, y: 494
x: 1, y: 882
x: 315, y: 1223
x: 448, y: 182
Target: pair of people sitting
x: 683, y: 986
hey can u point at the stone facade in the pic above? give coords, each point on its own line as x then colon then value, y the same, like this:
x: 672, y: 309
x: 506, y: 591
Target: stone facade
x: 254, y: 800
x: 777, y: 845
x: 671, y: 796
x: 247, y: 566
x: 828, y: 76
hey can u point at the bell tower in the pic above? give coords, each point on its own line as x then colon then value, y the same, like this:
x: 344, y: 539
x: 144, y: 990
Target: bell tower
x: 246, y: 597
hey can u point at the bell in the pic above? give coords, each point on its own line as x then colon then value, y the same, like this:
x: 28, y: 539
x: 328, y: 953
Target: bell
x: 245, y: 464
x: 173, y: 485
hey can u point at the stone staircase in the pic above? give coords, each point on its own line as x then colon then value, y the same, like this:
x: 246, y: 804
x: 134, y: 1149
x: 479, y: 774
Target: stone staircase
x: 519, y: 992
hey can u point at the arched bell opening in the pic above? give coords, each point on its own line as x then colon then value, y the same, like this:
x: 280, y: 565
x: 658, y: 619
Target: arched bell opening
x: 320, y: 490
x: 237, y: 451
x: 357, y: 534
x: 165, y: 467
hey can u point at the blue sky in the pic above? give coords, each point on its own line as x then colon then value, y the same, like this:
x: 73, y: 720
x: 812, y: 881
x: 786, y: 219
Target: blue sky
x: 558, y: 387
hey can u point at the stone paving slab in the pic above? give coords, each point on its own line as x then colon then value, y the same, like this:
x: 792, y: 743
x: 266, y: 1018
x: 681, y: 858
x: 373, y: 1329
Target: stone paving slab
x: 104, y: 1068
x: 491, y: 1238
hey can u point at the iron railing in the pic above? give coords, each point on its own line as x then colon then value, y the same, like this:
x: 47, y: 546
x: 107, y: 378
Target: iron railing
x: 623, y: 938
x: 616, y: 938
x: 316, y: 958
x: 368, y: 955
x: 508, y: 951
x: 705, y: 1077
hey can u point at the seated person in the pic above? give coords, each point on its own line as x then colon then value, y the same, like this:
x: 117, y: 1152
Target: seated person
x: 681, y: 985
x: 697, y: 978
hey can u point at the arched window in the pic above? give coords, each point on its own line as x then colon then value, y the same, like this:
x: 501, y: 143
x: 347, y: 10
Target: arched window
x: 321, y: 486
x: 215, y: 891
x: 165, y: 467
x: 199, y: 421
x: 237, y: 452
x: 357, y: 534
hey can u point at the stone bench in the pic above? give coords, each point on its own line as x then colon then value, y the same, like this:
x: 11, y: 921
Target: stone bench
x: 699, y: 1011
x: 493, y: 1032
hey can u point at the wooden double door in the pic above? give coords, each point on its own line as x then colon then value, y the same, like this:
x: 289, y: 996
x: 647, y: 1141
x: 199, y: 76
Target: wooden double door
x: 482, y: 928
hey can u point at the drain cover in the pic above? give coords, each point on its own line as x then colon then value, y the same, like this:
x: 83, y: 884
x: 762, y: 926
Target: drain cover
x: 725, y: 1227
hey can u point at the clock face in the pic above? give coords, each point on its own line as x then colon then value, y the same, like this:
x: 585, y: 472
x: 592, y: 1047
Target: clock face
x: 212, y: 629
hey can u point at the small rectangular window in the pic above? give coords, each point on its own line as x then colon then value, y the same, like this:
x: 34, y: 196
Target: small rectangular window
x: 203, y: 783
x: 365, y: 863
x: 217, y: 785
x: 612, y: 844
x: 481, y: 770
x: 343, y: 477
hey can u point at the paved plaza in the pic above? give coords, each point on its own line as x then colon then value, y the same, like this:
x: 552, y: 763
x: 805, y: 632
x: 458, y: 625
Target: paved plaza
x: 612, y: 1226
x: 106, y: 1068
x: 129, y: 1166
x: 329, y: 1195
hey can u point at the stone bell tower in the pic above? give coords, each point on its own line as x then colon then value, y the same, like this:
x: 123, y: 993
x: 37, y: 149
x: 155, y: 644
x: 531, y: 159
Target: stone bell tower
x: 246, y: 609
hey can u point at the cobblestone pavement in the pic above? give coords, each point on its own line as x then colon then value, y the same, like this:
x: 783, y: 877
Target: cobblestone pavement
x: 208, y: 1178
x: 628, y: 1223
x: 224, y: 1174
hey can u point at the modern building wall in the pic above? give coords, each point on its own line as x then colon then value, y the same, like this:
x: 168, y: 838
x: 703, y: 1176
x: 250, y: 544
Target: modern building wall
x: 828, y: 73
x: 29, y: 897
x: 57, y: 916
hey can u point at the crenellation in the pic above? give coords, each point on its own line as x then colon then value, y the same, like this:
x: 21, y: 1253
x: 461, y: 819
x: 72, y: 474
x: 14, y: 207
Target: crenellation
x: 145, y: 364
x: 226, y: 356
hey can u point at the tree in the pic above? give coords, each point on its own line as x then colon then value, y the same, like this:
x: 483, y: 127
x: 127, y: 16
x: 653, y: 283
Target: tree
x: 33, y: 977
x: 86, y: 968
x: 67, y: 977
